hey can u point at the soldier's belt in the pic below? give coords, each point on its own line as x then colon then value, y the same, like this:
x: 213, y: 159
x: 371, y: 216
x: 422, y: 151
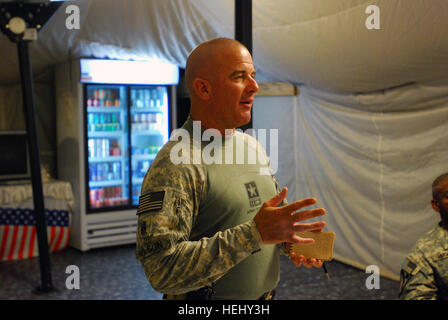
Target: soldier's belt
x: 207, y: 293
x: 268, y: 295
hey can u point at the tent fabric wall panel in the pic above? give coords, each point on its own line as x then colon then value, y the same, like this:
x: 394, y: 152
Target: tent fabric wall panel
x: 370, y: 169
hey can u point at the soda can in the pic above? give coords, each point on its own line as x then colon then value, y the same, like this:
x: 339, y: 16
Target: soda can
x: 92, y: 172
x: 133, y: 98
x: 139, y: 99
x: 103, y: 148
x: 100, y: 195
x: 110, y: 172
x: 91, y: 147
x: 92, y: 197
x: 105, y: 172
x: 116, y: 170
x: 106, y: 122
x: 100, y: 153
x: 99, y: 172
x: 145, y: 166
x: 96, y: 147
x: 90, y: 120
x: 144, y: 121
x: 95, y: 170
x: 135, y: 122
x: 105, y: 169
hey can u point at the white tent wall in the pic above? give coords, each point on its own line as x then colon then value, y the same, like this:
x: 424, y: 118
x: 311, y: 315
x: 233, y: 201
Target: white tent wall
x: 370, y: 161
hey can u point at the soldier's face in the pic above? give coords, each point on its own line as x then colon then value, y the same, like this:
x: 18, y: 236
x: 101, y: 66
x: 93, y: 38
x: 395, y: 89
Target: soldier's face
x: 234, y: 88
x: 440, y: 204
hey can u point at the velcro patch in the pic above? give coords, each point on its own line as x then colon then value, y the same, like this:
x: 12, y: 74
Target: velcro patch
x: 411, y: 265
x: 440, y: 256
x: 152, y: 201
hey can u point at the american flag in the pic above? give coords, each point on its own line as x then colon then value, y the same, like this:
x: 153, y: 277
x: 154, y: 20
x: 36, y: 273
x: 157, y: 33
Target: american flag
x: 18, y: 238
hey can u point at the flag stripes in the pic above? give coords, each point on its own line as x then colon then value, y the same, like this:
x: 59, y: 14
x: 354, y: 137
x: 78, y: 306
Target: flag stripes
x: 150, y: 201
x: 18, y: 232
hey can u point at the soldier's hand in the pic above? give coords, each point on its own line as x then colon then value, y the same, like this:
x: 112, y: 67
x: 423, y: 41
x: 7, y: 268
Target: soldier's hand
x: 280, y: 224
x: 299, y: 260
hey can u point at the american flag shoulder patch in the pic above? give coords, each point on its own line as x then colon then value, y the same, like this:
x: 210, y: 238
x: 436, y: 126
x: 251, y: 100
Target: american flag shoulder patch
x: 151, y: 201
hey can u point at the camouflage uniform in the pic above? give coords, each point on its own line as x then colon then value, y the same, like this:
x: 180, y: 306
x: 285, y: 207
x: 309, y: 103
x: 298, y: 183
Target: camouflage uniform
x: 424, y: 275
x: 190, y: 236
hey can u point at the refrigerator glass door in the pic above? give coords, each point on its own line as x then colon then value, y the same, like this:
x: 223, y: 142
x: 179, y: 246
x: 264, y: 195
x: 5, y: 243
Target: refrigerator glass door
x: 149, y: 130
x: 107, y: 141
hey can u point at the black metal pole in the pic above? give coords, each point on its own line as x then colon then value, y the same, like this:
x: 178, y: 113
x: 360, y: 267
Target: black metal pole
x: 26, y: 76
x: 243, y: 32
x: 243, y: 22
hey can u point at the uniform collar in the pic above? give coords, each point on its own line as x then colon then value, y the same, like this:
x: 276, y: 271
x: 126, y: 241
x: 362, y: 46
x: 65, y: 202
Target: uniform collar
x: 443, y: 234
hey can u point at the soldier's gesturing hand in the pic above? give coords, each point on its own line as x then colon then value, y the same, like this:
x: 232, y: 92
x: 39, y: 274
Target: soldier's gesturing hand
x: 279, y: 224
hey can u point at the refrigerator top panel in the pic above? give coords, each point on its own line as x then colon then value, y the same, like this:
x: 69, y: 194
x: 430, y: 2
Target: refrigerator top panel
x: 154, y: 72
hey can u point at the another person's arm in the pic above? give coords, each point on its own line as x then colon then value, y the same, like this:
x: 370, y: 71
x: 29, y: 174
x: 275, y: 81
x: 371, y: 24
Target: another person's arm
x: 417, y: 280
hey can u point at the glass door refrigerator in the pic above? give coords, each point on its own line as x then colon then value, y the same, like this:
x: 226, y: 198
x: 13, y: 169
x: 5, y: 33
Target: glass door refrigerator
x: 149, y: 131
x: 112, y: 119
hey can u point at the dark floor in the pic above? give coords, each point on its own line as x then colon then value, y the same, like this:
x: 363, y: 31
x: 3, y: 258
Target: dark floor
x: 114, y: 274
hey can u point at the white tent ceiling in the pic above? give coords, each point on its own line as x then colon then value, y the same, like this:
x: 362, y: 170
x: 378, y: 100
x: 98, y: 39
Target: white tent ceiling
x: 322, y: 43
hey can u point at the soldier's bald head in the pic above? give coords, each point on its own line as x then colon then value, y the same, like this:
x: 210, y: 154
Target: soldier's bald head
x: 206, y: 57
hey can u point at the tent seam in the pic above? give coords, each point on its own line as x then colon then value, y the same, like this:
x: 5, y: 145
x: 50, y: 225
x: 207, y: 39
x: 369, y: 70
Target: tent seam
x: 381, y: 180
x: 296, y: 136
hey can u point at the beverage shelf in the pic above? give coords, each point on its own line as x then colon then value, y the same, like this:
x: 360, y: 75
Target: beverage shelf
x: 146, y: 132
x: 149, y: 109
x: 106, y: 159
x: 101, y: 134
x: 140, y: 157
x: 106, y: 183
x: 105, y: 109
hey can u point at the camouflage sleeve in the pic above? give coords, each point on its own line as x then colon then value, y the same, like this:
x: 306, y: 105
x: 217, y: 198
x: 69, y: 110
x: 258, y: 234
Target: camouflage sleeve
x: 172, y: 263
x: 417, y: 280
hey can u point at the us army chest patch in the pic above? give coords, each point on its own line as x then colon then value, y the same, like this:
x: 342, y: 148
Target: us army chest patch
x: 151, y: 201
x: 252, y: 193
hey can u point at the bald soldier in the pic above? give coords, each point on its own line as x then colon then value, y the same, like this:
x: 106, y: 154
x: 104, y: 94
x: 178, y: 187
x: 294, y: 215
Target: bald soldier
x: 424, y: 275
x: 214, y: 230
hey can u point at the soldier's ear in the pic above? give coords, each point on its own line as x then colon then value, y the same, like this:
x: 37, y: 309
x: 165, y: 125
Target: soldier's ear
x: 435, y: 205
x: 202, y: 88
